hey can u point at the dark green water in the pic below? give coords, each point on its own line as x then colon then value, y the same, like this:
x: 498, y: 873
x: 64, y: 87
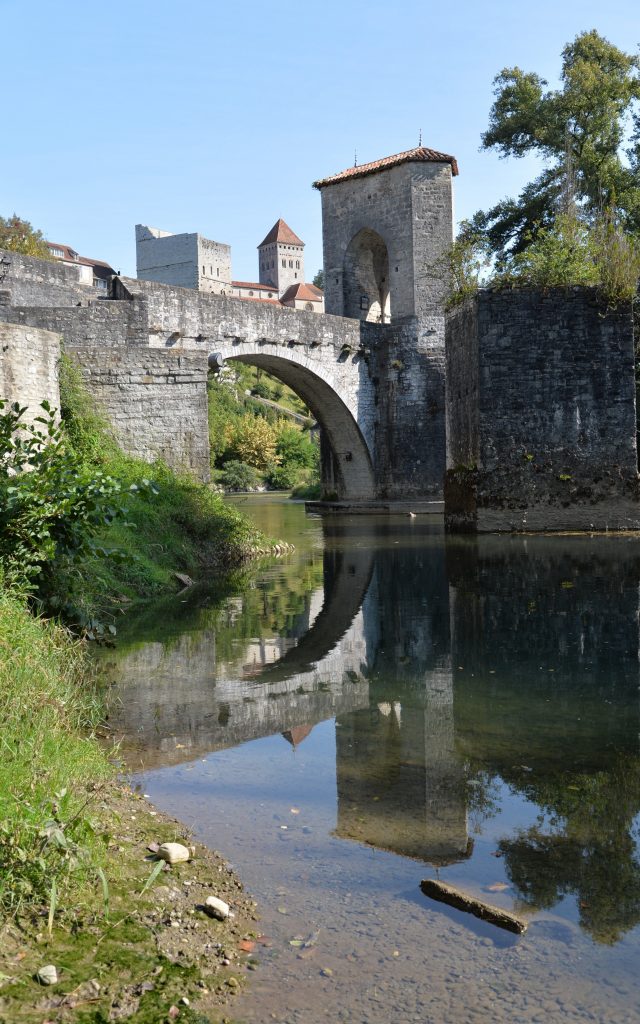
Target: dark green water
x: 387, y: 705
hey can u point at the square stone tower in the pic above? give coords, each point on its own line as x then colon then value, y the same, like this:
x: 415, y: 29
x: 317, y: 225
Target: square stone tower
x: 281, y: 258
x: 188, y: 260
x: 385, y: 226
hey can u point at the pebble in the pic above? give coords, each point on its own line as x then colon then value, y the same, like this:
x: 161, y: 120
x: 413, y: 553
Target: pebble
x: 47, y: 975
x: 216, y: 908
x: 174, y: 853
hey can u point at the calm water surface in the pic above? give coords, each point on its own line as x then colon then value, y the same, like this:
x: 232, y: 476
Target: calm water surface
x: 385, y: 706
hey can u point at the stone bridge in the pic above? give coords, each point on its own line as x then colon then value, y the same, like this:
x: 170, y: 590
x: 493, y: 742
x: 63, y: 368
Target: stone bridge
x: 535, y: 429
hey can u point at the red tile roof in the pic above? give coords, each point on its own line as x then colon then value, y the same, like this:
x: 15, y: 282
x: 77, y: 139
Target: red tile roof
x: 303, y: 292
x: 281, y: 232
x: 410, y: 155
x: 257, y: 298
x: 253, y: 284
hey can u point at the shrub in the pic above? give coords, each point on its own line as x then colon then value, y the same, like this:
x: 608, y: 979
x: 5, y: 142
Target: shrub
x: 560, y: 256
x: 51, y: 505
x: 238, y: 476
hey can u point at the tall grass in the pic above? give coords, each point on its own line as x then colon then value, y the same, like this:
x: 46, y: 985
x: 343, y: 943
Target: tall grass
x: 48, y: 762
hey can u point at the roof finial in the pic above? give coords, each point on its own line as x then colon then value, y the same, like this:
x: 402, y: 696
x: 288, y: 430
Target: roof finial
x: 355, y: 158
x: 420, y: 139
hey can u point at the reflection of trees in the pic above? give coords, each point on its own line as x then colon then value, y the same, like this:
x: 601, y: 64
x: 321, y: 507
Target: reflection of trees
x: 585, y: 844
x: 545, y: 653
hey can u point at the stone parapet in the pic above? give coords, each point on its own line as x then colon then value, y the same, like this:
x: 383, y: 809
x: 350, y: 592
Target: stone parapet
x: 29, y: 360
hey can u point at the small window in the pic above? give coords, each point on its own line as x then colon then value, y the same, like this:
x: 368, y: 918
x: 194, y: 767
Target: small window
x: 291, y: 263
x: 250, y: 293
x: 296, y: 276
x: 284, y: 263
x: 270, y: 295
x: 204, y: 269
x: 56, y: 252
x: 217, y: 271
x: 309, y: 307
x: 297, y: 264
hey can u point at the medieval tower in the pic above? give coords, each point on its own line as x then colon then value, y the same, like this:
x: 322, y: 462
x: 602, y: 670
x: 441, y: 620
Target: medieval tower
x: 281, y: 258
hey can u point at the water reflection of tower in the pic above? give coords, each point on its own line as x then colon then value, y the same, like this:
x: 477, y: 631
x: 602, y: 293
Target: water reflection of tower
x: 400, y: 785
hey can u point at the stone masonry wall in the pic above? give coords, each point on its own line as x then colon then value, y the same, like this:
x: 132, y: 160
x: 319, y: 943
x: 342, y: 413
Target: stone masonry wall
x: 408, y: 372
x: 29, y: 367
x: 33, y: 282
x: 105, y: 323
x: 541, y: 413
x: 155, y: 401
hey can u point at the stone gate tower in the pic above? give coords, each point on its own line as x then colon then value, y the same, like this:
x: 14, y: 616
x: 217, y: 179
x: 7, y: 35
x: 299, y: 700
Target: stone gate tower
x: 386, y: 226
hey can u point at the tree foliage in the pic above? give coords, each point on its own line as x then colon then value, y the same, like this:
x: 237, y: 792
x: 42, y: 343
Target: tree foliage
x: 253, y: 440
x: 18, y: 235
x: 579, y: 130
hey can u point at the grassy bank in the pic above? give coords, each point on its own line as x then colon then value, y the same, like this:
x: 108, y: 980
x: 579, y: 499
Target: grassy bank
x: 47, y: 713
x: 78, y: 887
x: 85, y: 532
x: 171, y: 522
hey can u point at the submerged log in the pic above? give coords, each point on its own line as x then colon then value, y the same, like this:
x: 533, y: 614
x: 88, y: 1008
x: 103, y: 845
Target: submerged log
x: 461, y: 901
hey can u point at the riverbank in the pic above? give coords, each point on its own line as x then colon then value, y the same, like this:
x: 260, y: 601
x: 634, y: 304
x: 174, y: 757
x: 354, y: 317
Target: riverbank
x: 171, y: 523
x: 79, y: 888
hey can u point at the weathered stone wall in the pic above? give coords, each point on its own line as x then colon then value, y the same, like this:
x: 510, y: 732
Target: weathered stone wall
x: 155, y: 401
x: 29, y: 367
x: 33, y: 282
x: 407, y: 365
x: 105, y: 323
x: 541, y: 413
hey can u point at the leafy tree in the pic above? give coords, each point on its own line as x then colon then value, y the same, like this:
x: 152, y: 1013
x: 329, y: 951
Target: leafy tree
x: 253, y: 440
x: 318, y: 280
x: 18, y: 235
x: 561, y: 255
x: 295, y: 448
x: 578, y: 130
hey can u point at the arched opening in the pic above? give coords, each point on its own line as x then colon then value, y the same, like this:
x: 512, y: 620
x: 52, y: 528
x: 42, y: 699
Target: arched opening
x: 347, y: 471
x: 366, y: 278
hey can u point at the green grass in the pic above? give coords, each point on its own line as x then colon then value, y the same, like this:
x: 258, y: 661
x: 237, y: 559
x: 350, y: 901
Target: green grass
x: 49, y: 758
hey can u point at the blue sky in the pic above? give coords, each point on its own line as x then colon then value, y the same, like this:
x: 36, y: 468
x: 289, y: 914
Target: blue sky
x: 211, y: 117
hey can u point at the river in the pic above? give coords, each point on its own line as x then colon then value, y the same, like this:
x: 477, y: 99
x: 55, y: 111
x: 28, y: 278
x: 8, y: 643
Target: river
x: 387, y: 705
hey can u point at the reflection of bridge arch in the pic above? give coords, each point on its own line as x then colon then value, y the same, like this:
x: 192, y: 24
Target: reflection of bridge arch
x: 331, y: 402
x: 173, y: 704
x: 346, y: 580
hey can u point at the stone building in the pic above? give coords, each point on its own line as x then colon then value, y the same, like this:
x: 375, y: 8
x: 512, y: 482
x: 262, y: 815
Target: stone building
x: 281, y: 257
x: 385, y: 226
x: 188, y: 260
x: 92, y: 273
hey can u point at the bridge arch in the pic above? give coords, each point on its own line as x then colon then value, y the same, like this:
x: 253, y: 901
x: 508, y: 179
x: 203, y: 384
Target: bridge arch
x: 347, y: 468
x: 366, y: 278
